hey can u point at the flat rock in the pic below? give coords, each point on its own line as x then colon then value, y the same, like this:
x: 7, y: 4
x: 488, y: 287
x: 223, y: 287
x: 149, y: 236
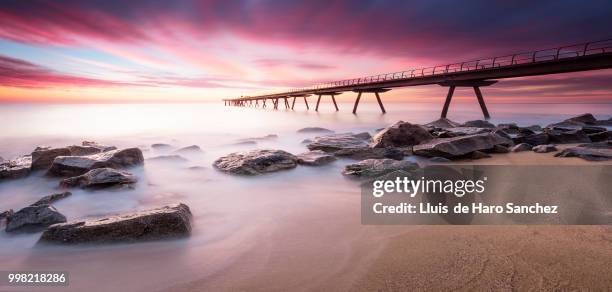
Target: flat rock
x: 335, y: 142
x: 478, y: 124
x: 16, y: 168
x: 256, y: 162
x: 522, y: 147
x: 88, y: 148
x: 42, y: 157
x: 263, y: 138
x: 462, y: 131
x: 460, y: 146
x: 377, y: 167
x: 439, y: 160
x: 565, y: 137
x: 401, y: 134
x: 600, y: 137
x: 172, y: 221
x: 544, y: 148
x: 161, y: 146
x: 315, y: 158
x: 50, y: 199
x: 599, y: 151
x: 314, y: 130
x: 576, y: 122
x: 100, y: 178
x: 33, y: 218
x: 367, y: 152
x: 189, y: 149
x: 533, y: 139
x: 442, y: 123
x: 77, y: 165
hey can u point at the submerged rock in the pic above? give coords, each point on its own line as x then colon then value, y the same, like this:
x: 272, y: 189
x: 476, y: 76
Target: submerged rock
x: 478, y: 124
x: 522, y: 147
x: 42, y: 157
x: 460, y: 146
x: 314, y: 130
x: 168, y: 158
x: 4, y: 216
x: 16, y: 168
x: 100, y: 178
x: 377, y: 167
x: 544, y: 148
x: 599, y: 151
x: 33, y: 218
x: 161, y: 146
x: 333, y: 143
x: 88, y: 148
x: 50, y: 199
x: 315, y: 158
x: 401, y: 134
x: 172, y: 221
x: 77, y: 165
x: 189, y: 149
x: 256, y: 162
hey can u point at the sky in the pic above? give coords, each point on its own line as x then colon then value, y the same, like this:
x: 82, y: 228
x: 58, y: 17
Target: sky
x: 183, y: 51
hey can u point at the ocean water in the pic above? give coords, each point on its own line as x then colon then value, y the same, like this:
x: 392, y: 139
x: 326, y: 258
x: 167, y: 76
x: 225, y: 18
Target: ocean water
x: 304, y: 221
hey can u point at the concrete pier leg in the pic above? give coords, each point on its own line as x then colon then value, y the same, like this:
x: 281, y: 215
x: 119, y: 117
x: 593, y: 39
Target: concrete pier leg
x: 483, y: 106
x: 306, y: 102
x: 382, y: 108
x: 286, y: 103
x: 275, y: 103
x: 449, y: 96
x: 293, y: 104
x: 356, y: 103
x: 334, y: 100
x: 264, y: 103
x: 318, y: 101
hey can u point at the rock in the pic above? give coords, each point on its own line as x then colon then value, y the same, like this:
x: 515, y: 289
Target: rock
x: 363, y: 135
x: 534, y: 139
x: 576, y: 122
x: 316, y: 158
x: 161, y: 146
x: 88, y: 148
x: 500, y: 149
x: 535, y: 128
x: 99, y: 178
x: 33, y: 218
x: 593, y: 129
x: 601, y: 136
x: 172, y: 221
x: 189, y: 149
x: 335, y: 142
x: 438, y: 159
x: 478, y: 124
x: 77, y: 165
x: 479, y: 155
x: 306, y: 141
x: 502, y: 133
x: 50, y: 199
x: 42, y: 157
x: 314, y: 130
x: 442, y: 123
x: 4, y: 216
x: 377, y: 167
x: 460, y: 146
x: 256, y: 162
x: 367, y: 152
x: 242, y: 143
x: 168, y: 158
x: 522, y: 147
x: 401, y: 134
x: 16, y: 168
x: 544, y: 148
x: 599, y: 151
x: 266, y: 137
x: 563, y: 137
x: 462, y: 131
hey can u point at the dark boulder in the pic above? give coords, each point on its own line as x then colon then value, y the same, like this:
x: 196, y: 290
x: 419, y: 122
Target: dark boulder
x: 33, y: 218
x: 256, y: 162
x: 172, y: 221
x: 16, y: 168
x: 600, y: 137
x: 478, y: 124
x: 100, y: 178
x: 77, y: 165
x: 189, y: 149
x: 161, y: 146
x: 335, y: 142
x: 460, y: 146
x: 89, y: 148
x: 479, y: 155
x: 565, y: 137
x: 442, y: 123
x: 401, y: 134
x: 42, y: 157
x: 366, y: 152
x: 533, y: 139
x: 599, y: 151
x: 315, y: 158
x: 439, y: 160
x: 377, y: 167
x: 314, y: 130
x: 50, y: 199
x: 522, y: 147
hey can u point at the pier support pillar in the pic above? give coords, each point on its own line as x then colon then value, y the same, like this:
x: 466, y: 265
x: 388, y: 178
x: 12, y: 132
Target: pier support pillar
x: 293, y: 104
x: 318, y: 101
x: 264, y: 103
x: 475, y: 84
x: 334, y: 100
x: 306, y: 102
x: 376, y: 92
x: 286, y: 103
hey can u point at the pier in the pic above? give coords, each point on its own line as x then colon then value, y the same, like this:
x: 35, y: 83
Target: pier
x: 475, y: 74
